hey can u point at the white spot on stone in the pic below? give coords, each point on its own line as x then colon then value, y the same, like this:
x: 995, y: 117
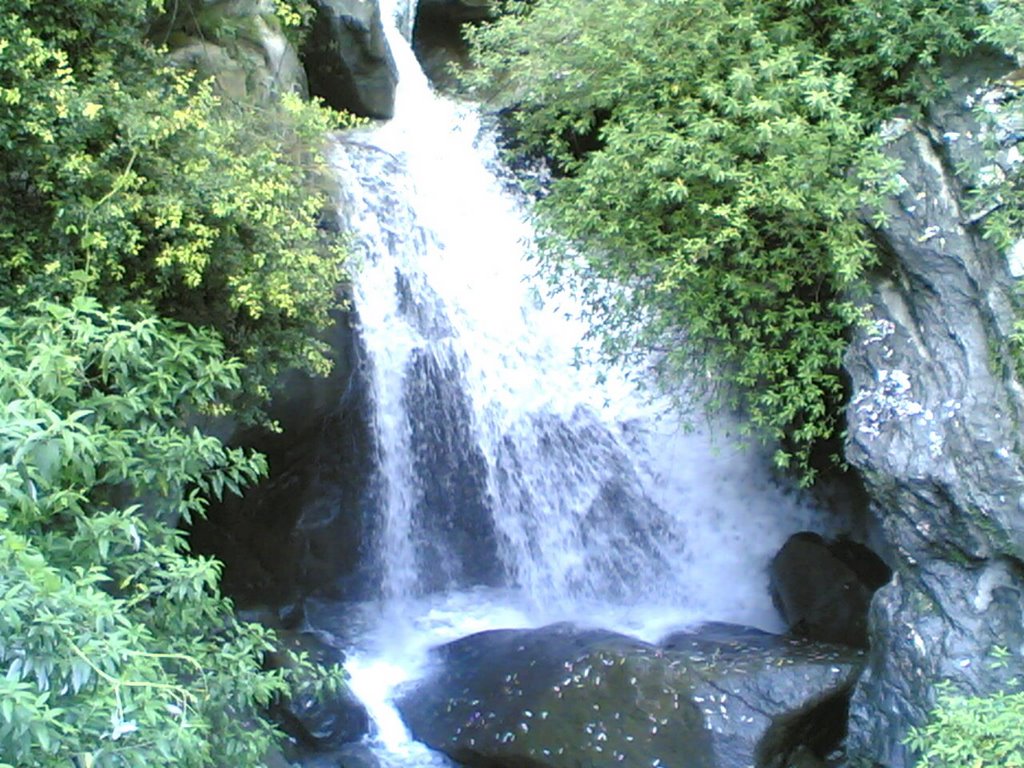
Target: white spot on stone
x: 992, y: 578
x: 879, y: 330
x: 919, y: 645
x: 1015, y: 258
x: 894, y: 129
x: 990, y: 174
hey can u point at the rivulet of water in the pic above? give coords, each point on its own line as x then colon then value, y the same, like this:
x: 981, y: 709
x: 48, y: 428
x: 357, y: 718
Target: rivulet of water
x: 513, y: 488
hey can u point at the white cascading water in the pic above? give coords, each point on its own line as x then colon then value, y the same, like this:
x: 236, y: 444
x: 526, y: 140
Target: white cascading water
x: 513, y: 489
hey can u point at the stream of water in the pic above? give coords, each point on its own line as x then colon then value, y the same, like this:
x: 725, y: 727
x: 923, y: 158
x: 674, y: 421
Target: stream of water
x: 514, y: 489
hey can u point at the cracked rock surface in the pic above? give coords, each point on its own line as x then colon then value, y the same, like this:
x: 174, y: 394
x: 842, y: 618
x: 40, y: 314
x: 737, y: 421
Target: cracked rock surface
x: 721, y: 696
x: 935, y: 430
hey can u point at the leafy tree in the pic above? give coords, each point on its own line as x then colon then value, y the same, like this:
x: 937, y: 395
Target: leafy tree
x: 712, y: 158
x: 130, y: 181
x: 116, y: 646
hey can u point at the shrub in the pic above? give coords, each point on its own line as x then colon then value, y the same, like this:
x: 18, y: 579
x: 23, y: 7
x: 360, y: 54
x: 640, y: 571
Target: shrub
x: 712, y: 159
x: 132, y: 182
x: 973, y: 732
x: 116, y: 646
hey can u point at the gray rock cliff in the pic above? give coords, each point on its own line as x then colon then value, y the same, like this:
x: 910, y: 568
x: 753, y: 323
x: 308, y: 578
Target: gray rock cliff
x: 348, y: 59
x: 935, y: 429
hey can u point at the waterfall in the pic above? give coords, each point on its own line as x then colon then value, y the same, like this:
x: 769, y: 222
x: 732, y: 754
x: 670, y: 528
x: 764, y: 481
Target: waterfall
x: 512, y: 487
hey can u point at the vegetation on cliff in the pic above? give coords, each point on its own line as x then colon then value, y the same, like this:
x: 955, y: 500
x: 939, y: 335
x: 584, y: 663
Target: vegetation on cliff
x: 136, y: 201
x: 712, y: 162
x: 131, y: 181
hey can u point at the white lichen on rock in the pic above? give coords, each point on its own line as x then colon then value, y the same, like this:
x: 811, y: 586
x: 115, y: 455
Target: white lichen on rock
x: 889, y: 400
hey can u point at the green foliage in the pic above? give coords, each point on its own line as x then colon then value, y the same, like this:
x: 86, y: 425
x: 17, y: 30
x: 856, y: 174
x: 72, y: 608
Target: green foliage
x: 116, y: 647
x: 892, y: 51
x: 973, y: 732
x: 712, y: 159
x: 134, y: 183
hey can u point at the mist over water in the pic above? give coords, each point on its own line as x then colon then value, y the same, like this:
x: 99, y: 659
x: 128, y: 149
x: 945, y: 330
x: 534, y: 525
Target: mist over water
x: 512, y: 489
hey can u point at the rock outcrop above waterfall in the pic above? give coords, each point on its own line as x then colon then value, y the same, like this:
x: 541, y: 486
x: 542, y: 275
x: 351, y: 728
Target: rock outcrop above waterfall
x: 725, y: 697
x: 823, y: 588
x: 935, y: 428
x: 438, y: 40
x: 348, y: 59
x: 240, y: 45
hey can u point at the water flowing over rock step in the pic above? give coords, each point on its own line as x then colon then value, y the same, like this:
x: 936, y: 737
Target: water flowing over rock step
x: 721, y: 696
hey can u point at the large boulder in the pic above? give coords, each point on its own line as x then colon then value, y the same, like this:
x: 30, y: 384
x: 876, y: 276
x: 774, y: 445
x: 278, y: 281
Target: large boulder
x: 562, y: 696
x: 241, y: 46
x: 823, y: 588
x: 348, y: 60
x: 438, y: 40
x: 934, y: 428
x: 319, y: 725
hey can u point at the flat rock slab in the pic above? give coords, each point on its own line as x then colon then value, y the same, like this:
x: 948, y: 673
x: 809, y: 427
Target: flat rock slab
x: 565, y: 697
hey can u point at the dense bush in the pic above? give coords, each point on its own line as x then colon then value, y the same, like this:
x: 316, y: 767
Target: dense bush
x: 131, y: 181
x: 116, y: 646
x: 712, y: 158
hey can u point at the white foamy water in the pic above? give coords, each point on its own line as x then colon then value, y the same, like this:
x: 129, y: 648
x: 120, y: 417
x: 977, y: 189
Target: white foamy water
x: 513, y: 489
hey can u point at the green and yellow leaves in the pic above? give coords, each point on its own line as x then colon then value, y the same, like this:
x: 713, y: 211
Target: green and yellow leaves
x: 132, y: 182
x: 713, y: 159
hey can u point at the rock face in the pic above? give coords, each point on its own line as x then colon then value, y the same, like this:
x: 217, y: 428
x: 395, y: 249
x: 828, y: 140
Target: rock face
x: 823, y: 588
x: 458, y: 11
x: 321, y: 724
x: 303, y: 530
x: 935, y: 429
x: 240, y: 44
x: 348, y: 59
x: 437, y: 36
x: 558, y: 697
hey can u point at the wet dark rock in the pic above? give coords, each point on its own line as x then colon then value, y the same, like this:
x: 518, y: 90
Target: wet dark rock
x: 319, y: 724
x: 458, y: 11
x: 349, y: 756
x: 563, y: 696
x: 303, y: 530
x: 438, y: 39
x: 348, y: 61
x: 823, y: 588
x: 935, y: 425
x: 456, y: 543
